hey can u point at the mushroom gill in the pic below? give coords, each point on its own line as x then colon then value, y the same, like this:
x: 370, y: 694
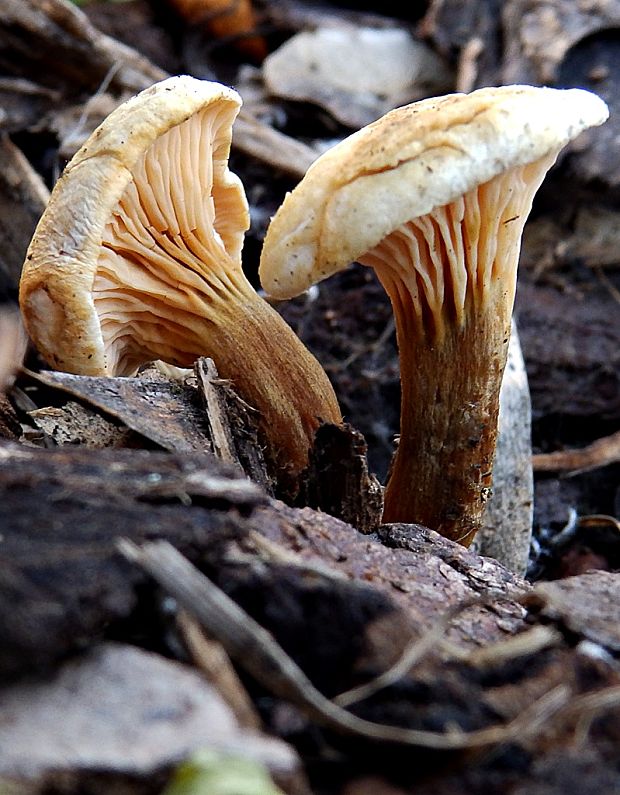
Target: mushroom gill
x: 451, y: 278
x: 170, y: 253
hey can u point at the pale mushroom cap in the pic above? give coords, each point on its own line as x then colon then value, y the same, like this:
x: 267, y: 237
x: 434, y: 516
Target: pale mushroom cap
x: 62, y: 260
x: 414, y: 159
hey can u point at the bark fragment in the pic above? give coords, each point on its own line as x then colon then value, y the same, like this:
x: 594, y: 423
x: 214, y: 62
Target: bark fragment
x: 338, y: 481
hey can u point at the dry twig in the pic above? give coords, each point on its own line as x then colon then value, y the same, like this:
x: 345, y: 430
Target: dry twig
x: 257, y: 651
x: 209, y: 656
x: 520, y: 645
x: 598, y: 454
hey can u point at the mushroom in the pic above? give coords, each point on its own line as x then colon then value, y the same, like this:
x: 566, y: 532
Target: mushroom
x: 137, y: 257
x: 434, y: 196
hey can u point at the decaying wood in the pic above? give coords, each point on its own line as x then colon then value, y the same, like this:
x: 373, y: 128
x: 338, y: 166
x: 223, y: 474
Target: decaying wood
x: 343, y: 607
x: 544, y: 701
x: 192, y: 414
x: 159, y: 409
x: 338, y: 481
x: 74, y: 423
x: 205, y: 413
x: 464, y: 577
x: 414, y: 567
x: 233, y: 426
x: 256, y: 650
x: 84, y: 498
x: 221, y: 437
x: 61, y: 580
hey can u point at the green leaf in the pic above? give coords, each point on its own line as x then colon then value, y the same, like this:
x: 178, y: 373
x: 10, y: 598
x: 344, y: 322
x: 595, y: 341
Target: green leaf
x: 212, y: 773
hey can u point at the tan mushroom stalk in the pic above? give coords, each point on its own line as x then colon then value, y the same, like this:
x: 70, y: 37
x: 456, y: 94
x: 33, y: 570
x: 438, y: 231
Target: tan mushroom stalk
x: 138, y: 257
x: 434, y: 197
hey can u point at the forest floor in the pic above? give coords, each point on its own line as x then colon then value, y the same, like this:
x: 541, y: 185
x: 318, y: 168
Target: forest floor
x: 499, y: 676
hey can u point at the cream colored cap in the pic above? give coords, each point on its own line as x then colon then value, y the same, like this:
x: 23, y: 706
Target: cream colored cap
x: 414, y: 159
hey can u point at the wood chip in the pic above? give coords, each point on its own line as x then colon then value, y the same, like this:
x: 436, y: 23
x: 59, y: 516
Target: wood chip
x: 159, y: 409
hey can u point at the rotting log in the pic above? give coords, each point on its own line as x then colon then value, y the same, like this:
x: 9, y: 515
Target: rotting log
x: 61, y: 580
x: 344, y: 606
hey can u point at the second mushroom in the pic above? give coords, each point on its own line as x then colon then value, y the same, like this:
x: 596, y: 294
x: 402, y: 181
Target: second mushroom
x: 434, y: 197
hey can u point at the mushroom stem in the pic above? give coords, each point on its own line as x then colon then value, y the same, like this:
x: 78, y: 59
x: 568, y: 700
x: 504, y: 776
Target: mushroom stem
x: 278, y: 376
x: 441, y: 473
x: 249, y: 341
x: 453, y: 318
